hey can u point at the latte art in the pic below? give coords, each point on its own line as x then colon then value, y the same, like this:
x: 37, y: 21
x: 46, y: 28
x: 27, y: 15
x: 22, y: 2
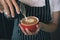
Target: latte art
x: 30, y: 20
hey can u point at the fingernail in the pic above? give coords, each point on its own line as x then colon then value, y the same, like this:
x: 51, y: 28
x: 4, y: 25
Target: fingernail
x: 37, y: 26
x: 8, y: 16
x: 12, y: 16
x: 5, y: 13
x: 18, y: 12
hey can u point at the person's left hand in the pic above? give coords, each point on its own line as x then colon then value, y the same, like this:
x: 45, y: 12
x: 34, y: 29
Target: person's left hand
x: 29, y: 32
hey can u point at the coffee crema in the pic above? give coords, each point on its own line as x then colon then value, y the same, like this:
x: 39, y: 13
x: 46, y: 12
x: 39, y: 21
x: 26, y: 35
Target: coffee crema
x: 30, y: 20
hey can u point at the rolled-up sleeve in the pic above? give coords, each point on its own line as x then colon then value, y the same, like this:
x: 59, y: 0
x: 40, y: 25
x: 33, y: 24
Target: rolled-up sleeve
x: 55, y: 5
x: 34, y: 3
x: 29, y: 2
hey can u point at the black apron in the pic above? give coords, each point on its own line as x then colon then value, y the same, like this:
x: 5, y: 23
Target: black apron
x: 6, y: 27
x: 43, y: 13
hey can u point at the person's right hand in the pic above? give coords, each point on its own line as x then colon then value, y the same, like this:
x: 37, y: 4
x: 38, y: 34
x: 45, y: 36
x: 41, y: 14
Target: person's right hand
x: 28, y: 32
x: 9, y: 5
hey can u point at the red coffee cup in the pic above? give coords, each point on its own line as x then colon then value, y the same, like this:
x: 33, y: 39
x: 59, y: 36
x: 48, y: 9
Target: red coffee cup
x: 30, y: 26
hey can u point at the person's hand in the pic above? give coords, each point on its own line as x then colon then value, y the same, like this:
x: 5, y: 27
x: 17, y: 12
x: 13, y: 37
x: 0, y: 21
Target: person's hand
x: 29, y: 32
x: 1, y: 8
x: 9, y: 5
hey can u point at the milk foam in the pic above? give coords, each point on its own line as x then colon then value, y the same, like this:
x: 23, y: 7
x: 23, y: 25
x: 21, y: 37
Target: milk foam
x: 30, y: 20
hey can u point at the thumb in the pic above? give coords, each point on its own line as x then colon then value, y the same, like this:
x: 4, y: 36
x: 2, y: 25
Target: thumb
x: 29, y: 33
x: 22, y: 29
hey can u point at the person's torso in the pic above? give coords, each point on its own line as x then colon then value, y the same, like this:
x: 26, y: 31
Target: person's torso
x: 43, y: 13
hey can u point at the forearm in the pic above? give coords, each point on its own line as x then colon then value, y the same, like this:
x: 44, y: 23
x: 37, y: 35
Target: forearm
x: 51, y: 27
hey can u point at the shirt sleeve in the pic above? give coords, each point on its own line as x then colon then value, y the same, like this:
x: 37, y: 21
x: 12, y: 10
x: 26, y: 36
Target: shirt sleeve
x: 29, y: 2
x: 34, y: 3
x: 55, y: 5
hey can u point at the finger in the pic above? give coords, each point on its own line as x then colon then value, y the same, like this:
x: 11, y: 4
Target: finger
x: 6, y: 8
x: 16, y: 6
x: 38, y: 25
x: 33, y: 33
x: 38, y: 28
x: 1, y: 8
x: 11, y: 7
x: 29, y: 32
x: 22, y: 30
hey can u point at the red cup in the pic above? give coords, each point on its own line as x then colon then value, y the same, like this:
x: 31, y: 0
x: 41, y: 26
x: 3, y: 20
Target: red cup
x: 31, y: 27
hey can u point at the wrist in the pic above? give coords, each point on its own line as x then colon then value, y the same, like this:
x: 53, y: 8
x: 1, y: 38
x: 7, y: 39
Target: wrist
x: 42, y: 26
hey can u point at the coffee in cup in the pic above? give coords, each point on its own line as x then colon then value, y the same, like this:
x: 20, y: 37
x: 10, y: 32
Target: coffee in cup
x: 30, y: 23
